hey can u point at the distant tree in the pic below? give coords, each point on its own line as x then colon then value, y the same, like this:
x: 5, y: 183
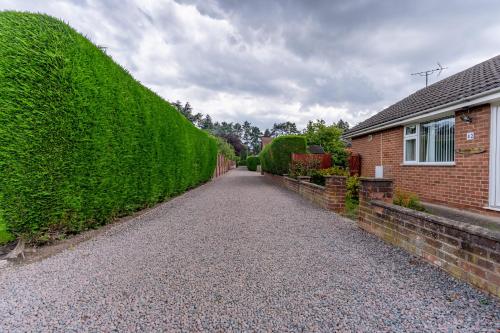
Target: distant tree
x: 285, y: 128
x: 235, y: 141
x: 329, y: 137
x: 247, y: 129
x: 343, y: 125
x: 254, y: 142
x: 206, y: 123
x: 187, y: 111
x: 267, y: 132
x: 238, y: 129
x: 244, y: 138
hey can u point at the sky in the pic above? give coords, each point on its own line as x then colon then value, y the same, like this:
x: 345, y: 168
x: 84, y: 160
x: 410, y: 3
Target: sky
x: 273, y: 61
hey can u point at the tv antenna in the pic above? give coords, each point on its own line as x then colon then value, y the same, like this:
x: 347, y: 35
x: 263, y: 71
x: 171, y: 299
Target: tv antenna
x: 428, y: 72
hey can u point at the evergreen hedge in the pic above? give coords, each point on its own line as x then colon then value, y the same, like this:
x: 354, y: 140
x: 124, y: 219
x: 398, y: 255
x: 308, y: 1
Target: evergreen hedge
x: 81, y: 141
x: 275, y: 158
x: 253, y: 162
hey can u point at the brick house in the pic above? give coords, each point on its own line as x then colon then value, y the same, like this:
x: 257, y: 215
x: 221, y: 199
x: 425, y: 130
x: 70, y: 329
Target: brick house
x: 441, y: 142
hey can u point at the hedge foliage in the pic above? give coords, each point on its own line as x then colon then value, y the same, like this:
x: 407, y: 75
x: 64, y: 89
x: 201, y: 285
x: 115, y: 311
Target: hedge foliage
x: 276, y: 157
x: 224, y: 148
x: 81, y: 141
x: 253, y: 162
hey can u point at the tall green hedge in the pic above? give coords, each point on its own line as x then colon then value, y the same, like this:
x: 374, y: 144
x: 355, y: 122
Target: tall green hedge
x: 81, y: 141
x: 276, y: 157
x: 253, y: 162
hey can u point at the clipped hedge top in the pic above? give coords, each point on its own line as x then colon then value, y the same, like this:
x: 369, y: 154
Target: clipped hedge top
x: 276, y: 156
x: 81, y: 141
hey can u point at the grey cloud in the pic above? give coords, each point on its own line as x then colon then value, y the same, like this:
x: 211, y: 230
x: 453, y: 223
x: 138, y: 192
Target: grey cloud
x: 354, y: 54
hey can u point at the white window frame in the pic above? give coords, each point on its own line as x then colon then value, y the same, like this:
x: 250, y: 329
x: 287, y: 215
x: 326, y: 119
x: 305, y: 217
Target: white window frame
x: 416, y: 136
x: 407, y: 137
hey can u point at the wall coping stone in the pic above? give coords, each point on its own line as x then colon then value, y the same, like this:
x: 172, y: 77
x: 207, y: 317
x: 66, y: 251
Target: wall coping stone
x: 313, y: 185
x: 462, y: 226
x: 291, y: 179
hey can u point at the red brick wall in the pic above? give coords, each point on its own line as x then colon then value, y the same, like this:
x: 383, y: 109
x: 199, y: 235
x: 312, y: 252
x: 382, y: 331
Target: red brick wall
x: 331, y: 196
x: 464, y: 185
x: 470, y: 253
x: 223, y: 166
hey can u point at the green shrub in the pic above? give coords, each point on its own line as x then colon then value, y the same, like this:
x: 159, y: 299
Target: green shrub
x: 408, y: 200
x: 275, y: 158
x: 304, y: 167
x: 253, y: 162
x: 318, y: 176
x: 353, y: 185
x: 225, y: 148
x: 81, y: 141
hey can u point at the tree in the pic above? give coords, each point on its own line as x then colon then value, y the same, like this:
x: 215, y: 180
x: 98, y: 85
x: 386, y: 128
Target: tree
x: 254, y: 142
x: 343, y: 125
x: 329, y: 137
x: 286, y: 128
x: 206, y: 123
x: 247, y: 129
x: 187, y: 111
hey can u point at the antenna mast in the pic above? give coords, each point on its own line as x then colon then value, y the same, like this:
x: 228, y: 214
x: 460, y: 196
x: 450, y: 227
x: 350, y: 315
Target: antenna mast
x: 429, y: 72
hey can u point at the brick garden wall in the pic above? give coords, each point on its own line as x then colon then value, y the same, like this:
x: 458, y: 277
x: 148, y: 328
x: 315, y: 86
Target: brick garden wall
x: 464, y: 185
x: 223, y: 166
x: 470, y: 253
x: 331, y: 196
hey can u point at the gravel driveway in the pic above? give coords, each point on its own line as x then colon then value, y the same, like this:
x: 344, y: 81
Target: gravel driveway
x: 238, y: 254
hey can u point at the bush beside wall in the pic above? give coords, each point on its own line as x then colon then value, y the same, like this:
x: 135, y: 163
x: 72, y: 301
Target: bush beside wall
x: 81, y: 141
x: 275, y: 158
x: 253, y: 162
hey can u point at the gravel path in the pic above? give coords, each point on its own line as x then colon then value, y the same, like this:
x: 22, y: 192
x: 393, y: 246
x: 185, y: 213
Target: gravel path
x: 238, y: 254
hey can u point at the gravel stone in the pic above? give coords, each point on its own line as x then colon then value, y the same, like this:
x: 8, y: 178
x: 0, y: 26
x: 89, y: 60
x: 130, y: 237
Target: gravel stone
x: 4, y: 264
x: 239, y: 254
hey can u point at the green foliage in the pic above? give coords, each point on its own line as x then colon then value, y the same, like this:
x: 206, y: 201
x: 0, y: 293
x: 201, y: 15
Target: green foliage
x: 275, y: 157
x: 353, y: 184
x: 286, y: 128
x: 318, y: 176
x: 81, y: 141
x: 351, y: 208
x: 329, y: 137
x: 225, y: 149
x: 408, y: 200
x: 253, y: 162
x: 304, y: 167
x: 5, y: 236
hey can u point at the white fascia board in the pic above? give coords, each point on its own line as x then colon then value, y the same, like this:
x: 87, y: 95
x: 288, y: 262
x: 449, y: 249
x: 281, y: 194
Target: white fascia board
x: 439, y: 111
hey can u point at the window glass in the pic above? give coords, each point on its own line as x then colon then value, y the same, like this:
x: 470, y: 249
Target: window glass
x: 437, y: 141
x: 412, y: 129
x: 410, y: 150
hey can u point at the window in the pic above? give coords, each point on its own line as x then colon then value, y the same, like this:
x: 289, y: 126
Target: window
x: 430, y: 142
x: 410, y: 147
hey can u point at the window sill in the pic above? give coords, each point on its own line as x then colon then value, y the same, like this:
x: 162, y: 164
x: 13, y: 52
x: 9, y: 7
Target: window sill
x: 492, y: 208
x: 449, y: 164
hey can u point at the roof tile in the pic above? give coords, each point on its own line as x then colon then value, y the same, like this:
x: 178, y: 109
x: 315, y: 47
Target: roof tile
x: 472, y: 81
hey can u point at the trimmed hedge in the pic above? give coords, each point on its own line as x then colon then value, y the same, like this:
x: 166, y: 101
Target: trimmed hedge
x: 81, y: 141
x: 275, y: 158
x: 253, y: 162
